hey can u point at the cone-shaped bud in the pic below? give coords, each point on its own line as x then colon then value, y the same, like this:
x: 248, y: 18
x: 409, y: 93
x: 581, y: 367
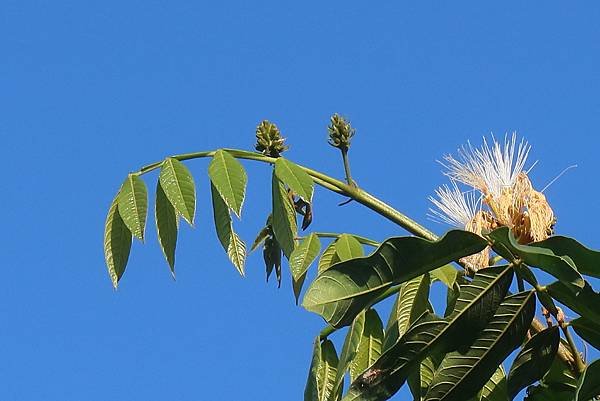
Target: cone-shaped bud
x: 269, y: 140
x: 340, y: 132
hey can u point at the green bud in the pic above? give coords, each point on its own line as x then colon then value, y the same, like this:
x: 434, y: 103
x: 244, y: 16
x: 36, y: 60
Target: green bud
x: 340, y: 132
x: 269, y: 140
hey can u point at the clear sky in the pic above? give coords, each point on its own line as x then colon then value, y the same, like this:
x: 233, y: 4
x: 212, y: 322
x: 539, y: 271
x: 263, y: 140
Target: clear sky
x: 92, y: 90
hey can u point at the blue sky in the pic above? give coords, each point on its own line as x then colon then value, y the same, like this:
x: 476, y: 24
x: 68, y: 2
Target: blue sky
x: 93, y: 90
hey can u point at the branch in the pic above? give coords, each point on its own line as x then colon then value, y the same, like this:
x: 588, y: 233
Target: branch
x: 362, y: 240
x: 326, y: 182
x: 364, y: 198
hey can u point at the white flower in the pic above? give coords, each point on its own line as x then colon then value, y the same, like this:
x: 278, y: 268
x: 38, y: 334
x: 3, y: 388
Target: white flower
x: 490, y: 169
x: 454, y: 207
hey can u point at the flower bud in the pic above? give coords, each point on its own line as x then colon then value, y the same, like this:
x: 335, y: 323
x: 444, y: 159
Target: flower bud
x: 269, y: 140
x: 340, y: 132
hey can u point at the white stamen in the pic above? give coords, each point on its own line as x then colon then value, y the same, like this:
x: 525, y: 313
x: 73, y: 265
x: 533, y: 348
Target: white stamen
x: 558, y: 176
x: 456, y: 208
x: 491, y: 168
x: 531, y: 167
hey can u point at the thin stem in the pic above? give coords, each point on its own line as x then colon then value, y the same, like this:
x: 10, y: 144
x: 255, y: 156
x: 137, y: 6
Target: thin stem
x: 579, y: 364
x: 520, y: 284
x: 362, y: 240
x: 319, y: 178
x: 349, y: 179
x: 325, y: 181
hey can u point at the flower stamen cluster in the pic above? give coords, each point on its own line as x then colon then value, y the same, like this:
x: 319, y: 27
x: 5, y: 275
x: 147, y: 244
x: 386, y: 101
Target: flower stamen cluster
x: 506, y: 196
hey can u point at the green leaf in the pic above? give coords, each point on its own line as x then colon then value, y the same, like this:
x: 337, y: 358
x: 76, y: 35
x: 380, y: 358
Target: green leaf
x: 534, y: 360
x: 260, y: 238
x: 133, y: 205
x: 589, y: 385
x: 295, y: 177
x: 586, y: 260
x: 349, y: 349
x: 327, y: 372
x: 328, y: 258
x: 419, y: 380
x: 463, y: 373
x: 385, y: 377
x: 348, y: 247
x: 237, y: 252
x: 588, y: 330
x: 452, y: 294
x: 430, y: 335
x: 301, y: 258
x: 370, y: 345
x: 232, y: 244
x: 495, y: 389
x: 117, y: 243
x: 582, y: 302
x: 342, y: 291
x: 311, y: 391
x: 222, y: 218
x: 272, y: 258
x: 178, y: 184
x: 549, y: 393
x: 559, y: 384
x: 560, y: 377
x: 560, y: 267
x: 284, y: 222
x: 411, y: 302
x: 487, y: 284
x: 228, y: 176
x: 166, y: 226
x: 447, y: 274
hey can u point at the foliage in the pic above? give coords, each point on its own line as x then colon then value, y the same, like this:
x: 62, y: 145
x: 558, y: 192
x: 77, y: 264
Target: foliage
x: 457, y: 356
